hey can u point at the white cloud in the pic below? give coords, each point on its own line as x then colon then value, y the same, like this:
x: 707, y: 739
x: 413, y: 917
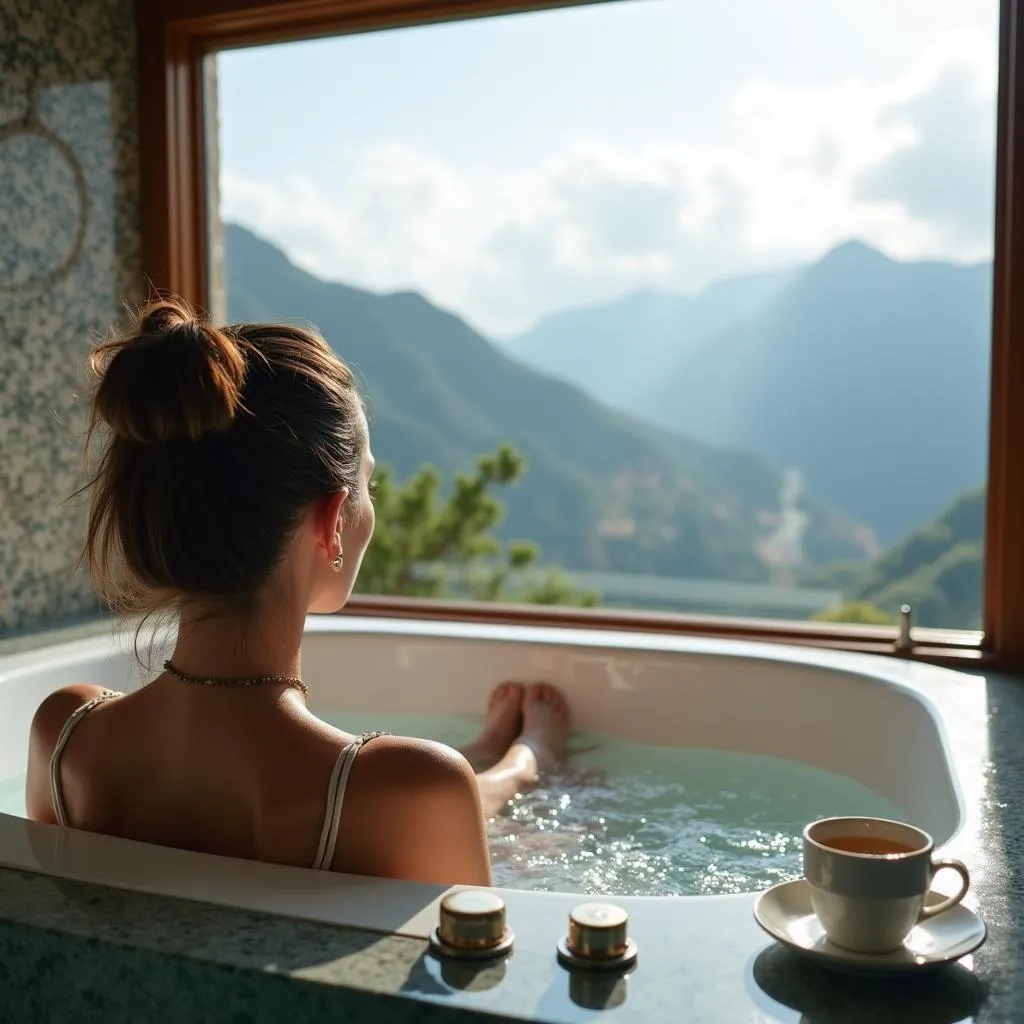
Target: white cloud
x: 904, y: 165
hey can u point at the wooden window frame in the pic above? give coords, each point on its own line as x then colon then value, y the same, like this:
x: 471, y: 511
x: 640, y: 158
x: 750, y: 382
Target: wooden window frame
x: 174, y: 37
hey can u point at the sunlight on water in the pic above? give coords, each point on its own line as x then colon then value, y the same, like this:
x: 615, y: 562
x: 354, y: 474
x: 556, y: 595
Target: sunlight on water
x: 695, y: 822
x: 630, y: 819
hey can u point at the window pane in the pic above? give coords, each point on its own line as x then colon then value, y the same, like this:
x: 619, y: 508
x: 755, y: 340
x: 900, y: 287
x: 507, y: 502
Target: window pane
x: 707, y: 312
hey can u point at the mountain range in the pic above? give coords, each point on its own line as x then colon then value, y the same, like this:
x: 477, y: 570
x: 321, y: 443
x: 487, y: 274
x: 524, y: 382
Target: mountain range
x: 603, y: 489
x: 585, y: 346
x: 868, y: 375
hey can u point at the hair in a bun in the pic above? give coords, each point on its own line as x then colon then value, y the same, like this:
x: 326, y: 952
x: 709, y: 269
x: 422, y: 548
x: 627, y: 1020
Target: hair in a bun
x: 175, y: 376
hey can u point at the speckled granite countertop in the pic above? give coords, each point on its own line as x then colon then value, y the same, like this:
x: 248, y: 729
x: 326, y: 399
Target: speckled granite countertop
x: 70, y: 951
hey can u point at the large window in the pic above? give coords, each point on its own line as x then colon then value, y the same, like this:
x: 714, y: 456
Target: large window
x: 649, y: 313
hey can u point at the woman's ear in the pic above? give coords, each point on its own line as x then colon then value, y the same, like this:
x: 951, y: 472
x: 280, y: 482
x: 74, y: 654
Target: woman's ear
x: 328, y: 521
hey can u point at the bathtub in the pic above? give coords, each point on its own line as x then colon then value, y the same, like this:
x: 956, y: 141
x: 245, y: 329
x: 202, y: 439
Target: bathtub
x: 869, y: 719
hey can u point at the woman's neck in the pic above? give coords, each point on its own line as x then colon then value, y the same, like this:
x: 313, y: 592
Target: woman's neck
x: 223, y: 647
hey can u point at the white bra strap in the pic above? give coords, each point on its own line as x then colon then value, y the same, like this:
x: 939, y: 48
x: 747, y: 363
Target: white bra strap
x: 335, y: 798
x: 56, y: 789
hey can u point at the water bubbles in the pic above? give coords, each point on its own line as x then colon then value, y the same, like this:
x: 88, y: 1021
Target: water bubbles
x: 646, y: 833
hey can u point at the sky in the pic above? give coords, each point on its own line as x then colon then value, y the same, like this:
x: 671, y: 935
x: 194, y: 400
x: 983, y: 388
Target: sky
x: 512, y: 167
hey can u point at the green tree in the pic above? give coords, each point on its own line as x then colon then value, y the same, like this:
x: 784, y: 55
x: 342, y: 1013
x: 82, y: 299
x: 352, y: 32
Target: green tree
x: 431, y: 544
x: 855, y: 611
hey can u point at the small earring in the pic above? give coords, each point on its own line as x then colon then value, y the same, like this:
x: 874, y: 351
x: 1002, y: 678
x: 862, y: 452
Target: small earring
x: 338, y: 562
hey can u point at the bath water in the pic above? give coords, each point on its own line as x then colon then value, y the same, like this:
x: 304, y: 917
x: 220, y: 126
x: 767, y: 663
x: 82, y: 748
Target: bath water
x: 623, y: 818
x: 631, y: 819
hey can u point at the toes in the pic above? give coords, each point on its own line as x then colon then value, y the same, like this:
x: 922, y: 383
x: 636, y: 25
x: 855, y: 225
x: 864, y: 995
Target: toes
x: 556, y: 700
x: 506, y: 693
x: 544, y: 693
x: 514, y: 693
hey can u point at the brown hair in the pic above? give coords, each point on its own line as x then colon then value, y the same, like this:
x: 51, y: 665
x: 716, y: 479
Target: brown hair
x: 219, y: 441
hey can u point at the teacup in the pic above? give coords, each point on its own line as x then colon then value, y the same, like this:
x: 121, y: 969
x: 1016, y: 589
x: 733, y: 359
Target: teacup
x: 869, y: 879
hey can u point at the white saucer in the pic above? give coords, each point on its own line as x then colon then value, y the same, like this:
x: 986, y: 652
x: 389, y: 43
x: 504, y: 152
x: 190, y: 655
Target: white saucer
x: 784, y: 912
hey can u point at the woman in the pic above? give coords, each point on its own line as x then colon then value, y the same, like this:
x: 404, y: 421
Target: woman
x: 234, y: 492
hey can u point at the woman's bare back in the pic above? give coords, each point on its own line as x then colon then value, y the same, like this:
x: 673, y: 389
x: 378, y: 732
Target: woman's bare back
x: 246, y: 774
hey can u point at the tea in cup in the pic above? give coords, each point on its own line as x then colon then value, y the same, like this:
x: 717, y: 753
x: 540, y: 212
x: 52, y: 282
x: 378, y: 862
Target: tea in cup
x: 869, y: 879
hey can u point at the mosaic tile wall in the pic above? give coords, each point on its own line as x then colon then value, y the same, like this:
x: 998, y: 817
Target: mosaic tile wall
x: 69, y: 254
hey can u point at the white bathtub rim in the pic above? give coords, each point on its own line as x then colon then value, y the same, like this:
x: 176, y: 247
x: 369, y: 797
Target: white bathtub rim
x: 904, y: 677
x: 900, y: 676
x: 895, y: 675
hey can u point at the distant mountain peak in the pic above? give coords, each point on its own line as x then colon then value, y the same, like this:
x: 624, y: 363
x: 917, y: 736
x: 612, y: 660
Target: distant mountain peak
x: 853, y: 254
x: 241, y: 239
x: 409, y: 296
x: 238, y: 231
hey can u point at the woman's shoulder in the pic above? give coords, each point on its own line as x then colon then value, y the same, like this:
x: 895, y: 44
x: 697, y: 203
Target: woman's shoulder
x: 47, y: 725
x: 404, y: 759
x: 404, y: 774
x: 58, y: 707
x: 413, y: 811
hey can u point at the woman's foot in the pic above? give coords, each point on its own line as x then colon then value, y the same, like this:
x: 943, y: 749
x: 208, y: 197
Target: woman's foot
x: 545, y: 725
x: 503, y: 724
x: 538, y: 748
